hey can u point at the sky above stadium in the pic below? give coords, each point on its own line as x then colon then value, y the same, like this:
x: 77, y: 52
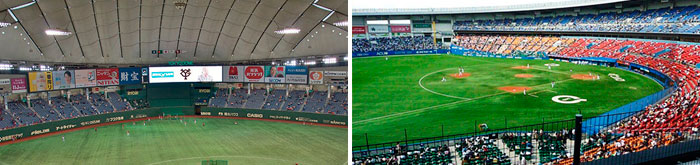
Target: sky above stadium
x: 389, y: 4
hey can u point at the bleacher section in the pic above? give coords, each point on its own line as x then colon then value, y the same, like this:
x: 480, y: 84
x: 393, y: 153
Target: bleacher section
x: 6, y: 120
x: 66, y: 109
x: 316, y: 103
x: 82, y: 105
x: 101, y: 103
x: 23, y: 115
x: 338, y: 103
x: 664, y: 20
x: 256, y: 99
x: 295, y: 101
x: 44, y: 110
x: 237, y: 99
x: 275, y: 100
x: 118, y: 103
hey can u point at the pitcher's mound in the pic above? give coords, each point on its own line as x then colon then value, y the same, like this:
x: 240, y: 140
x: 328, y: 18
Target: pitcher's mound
x: 456, y: 75
x: 583, y: 77
x: 520, y: 67
x: 514, y: 89
x: 524, y: 75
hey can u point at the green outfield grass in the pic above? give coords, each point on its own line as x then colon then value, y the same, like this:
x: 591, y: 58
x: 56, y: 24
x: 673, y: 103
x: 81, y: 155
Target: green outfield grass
x: 171, y: 142
x: 388, y: 98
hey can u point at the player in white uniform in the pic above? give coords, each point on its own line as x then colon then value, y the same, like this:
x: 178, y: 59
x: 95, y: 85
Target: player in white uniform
x: 552, y: 84
x: 443, y: 79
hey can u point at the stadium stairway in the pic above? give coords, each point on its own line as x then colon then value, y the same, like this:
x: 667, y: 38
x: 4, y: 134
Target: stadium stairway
x: 536, y: 151
x: 37, y: 114
x: 453, y: 150
x: 57, y: 112
x: 111, y: 105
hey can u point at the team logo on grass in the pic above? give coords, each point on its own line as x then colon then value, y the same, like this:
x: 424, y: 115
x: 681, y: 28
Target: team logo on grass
x: 551, y: 64
x: 616, y: 77
x: 567, y: 99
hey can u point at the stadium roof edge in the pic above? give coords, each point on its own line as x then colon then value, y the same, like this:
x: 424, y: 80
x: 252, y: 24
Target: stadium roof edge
x: 493, y: 9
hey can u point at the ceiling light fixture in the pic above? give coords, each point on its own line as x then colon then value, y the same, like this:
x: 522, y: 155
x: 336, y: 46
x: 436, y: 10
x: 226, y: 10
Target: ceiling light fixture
x: 341, y: 23
x: 328, y: 16
x: 56, y: 32
x: 321, y: 7
x: 24, y: 5
x: 288, y: 31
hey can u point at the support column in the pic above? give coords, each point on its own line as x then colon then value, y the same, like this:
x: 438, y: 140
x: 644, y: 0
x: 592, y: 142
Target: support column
x: 68, y: 96
x: 288, y: 90
x: 29, y: 101
x: 577, y: 140
x: 329, y: 91
x: 249, y: 84
x: 4, y: 100
x: 87, y: 93
x: 48, y: 97
x: 307, y: 89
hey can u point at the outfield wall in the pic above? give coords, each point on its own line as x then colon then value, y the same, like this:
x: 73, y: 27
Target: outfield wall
x: 48, y: 127
x: 458, y: 50
x: 277, y: 115
x: 401, y: 52
x: 54, y: 126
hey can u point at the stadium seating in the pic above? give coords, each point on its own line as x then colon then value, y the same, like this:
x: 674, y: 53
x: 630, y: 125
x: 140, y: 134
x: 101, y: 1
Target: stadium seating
x: 64, y: 108
x: 295, y: 100
x: 100, y: 103
x: 256, y: 99
x: 678, y: 113
x: 23, y: 115
x: 219, y: 99
x: 237, y: 99
x: 118, y: 103
x: 275, y: 100
x: 393, y: 44
x: 481, y: 150
x: 664, y: 20
x: 6, y: 120
x: 82, y: 105
x: 298, y: 100
x: 338, y: 103
x: 44, y: 110
x: 316, y: 102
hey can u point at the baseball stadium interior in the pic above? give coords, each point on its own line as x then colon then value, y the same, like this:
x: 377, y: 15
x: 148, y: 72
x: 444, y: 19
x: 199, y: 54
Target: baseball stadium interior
x: 174, y: 82
x: 612, y: 42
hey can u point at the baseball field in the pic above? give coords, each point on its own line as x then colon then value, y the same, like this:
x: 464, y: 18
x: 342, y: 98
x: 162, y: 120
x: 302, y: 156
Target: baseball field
x: 408, y: 92
x: 173, y: 142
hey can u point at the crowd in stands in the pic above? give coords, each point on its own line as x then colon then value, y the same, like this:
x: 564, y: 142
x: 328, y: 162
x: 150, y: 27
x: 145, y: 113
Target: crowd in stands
x: 277, y: 99
x: 481, y: 150
x: 41, y: 110
x: 668, y: 122
x: 394, y: 44
x: 664, y: 20
x: 420, y: 154
x: 665, y: 121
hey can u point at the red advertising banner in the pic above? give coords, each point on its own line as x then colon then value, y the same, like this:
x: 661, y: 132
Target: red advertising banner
x: 108, y: 76
x: 254, y: 74
x: 401, y: 29
x: 19, y: 85
x: 359, y: 30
